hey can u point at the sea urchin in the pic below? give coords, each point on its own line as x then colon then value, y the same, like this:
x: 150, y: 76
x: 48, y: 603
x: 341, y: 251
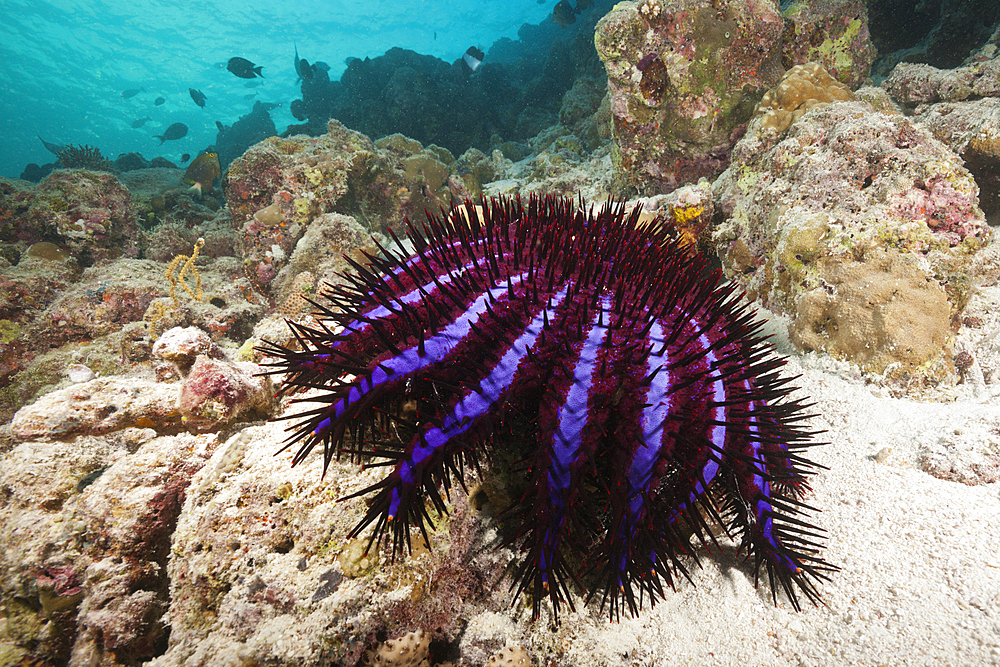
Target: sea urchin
x: 642, y: 396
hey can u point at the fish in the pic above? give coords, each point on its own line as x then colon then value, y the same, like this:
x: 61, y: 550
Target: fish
x: 253, y: 84
x: 473, y: 58
x: 198, y: 97
x: 563, y: 13
x: 202, y: 172
x: 250, y: 96
x: 174, y: 132
x: 55, y: 149
x: 185, y: 158
x: 581, y: 5
x: 319, y: 64
x: 243, y: 68
x: 139, y: 122
x: 269, y: 106
x: 158, y: 101
x: 132, y: 92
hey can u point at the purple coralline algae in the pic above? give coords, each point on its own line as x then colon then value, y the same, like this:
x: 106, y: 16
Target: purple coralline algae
x: 683, y: 75
x: 859, y: 226
x: 832, y: 33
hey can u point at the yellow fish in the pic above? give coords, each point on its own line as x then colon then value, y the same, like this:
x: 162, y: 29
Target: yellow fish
x: 202, y: 172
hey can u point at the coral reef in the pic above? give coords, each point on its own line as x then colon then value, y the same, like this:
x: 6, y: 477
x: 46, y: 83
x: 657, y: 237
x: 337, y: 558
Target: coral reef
x: 279, y: 187
x: 89, y: 212
x: 682, y: 77
x: 86, y: 527
x: 971, y: 129
x: 853, y: 217
x: 962, y: 108
x: 99, y: 406
x: 413, y: 94
x: 833, y: 34
x: 911, y: 84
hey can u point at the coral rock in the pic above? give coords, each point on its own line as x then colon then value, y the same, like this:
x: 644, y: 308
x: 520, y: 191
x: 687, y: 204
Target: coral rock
x: 886, y: 310
x: 99, y: 406
x: 217, y: 393
x: 90, y: 212
x: 846, y: 186
x: 182, y: 345
x: 832, y: 33
x: 681, y: 76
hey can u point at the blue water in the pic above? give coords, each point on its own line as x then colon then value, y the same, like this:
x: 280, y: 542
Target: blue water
x: 66, y: 63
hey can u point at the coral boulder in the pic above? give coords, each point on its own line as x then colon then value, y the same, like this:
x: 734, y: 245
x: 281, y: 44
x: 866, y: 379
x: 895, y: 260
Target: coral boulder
x: 847, y: 222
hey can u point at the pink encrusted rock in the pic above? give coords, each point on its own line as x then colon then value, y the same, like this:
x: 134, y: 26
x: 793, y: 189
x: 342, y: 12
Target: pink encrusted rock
x: 99, y: 406
x: 106, y: 298
x: 216, y: 393
x: 182, y: 345
x: 860, y: 226
x: 87, y: 525
x: 278, y: 187
x: 683, y: 76
x: 90, y: 212
x: 912, y: 84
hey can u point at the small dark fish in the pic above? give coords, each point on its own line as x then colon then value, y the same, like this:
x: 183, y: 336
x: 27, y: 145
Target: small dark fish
x: 174, y: 132
x: 158, y: 101
x: 132, y: 93
x: 55, y: 149
x: 139, y: 122
x: 582, y: 5
x: 250, y: 96
x: 563, y: 13
x: 243, y: 68
x: 298, y: 109
x: 202, y: 172
x: 319, y: 64
x: 473, y: 58
x: 185, y: 158
x: 198, y: 97
x: 305, y: 69
x: 269, y: 106
x: 253, y: 84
